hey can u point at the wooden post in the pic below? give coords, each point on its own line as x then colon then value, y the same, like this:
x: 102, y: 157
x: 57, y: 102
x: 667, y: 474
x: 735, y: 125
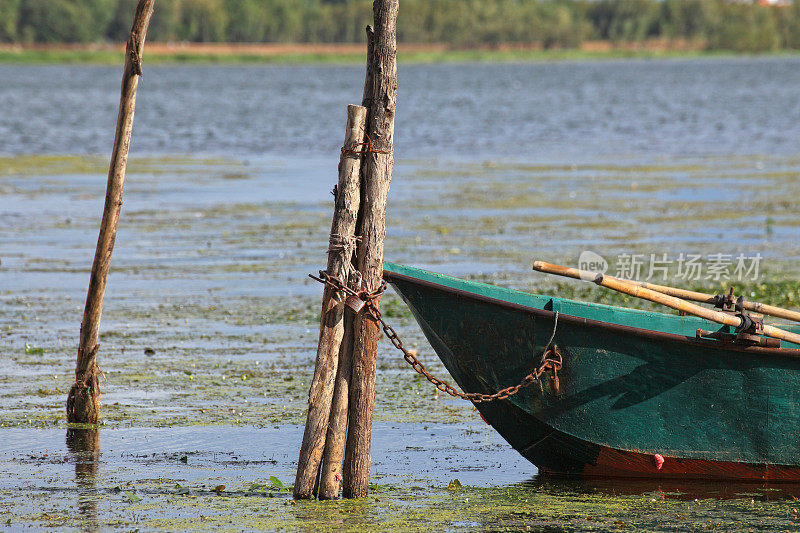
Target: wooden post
x: 337, y: 426
x: 340, y: 254
x: 331, y: 474
x: 366, y: 99
x: 83, y: 402
x: 376, y: 179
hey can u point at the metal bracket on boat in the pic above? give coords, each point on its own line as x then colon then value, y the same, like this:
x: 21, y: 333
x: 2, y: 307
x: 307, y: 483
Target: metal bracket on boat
x: 741, y: 338
x: 750, y: 331
x: 728, y: 303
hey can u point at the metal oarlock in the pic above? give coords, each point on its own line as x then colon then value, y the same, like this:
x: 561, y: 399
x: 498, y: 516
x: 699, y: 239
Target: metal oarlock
x: 751, y: 329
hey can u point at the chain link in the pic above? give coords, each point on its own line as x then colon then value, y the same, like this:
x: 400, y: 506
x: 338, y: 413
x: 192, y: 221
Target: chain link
x: 362, y: 148
x: 551, y: 361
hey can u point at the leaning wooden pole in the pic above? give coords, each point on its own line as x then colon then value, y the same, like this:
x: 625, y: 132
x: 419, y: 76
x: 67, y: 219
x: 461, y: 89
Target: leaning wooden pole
x: 331, y: 476
x: 376, y: 178
x: 83, y: 402
x: 340, y: 253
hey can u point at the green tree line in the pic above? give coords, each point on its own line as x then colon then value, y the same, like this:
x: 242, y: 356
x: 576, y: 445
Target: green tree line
x: 720, y: 24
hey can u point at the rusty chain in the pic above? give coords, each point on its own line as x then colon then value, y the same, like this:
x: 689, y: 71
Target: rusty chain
x: 365, y: 148
x: 551, y: 360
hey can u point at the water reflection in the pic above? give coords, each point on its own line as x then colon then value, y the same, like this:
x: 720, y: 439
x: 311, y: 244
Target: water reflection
x: 667, y: 489
x: 84, y: 448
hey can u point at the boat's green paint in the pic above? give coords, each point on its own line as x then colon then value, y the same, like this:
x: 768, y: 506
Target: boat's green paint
x: 617, y: 389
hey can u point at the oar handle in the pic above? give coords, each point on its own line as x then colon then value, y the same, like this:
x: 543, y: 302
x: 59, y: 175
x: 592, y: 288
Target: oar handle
x: 568, y: 272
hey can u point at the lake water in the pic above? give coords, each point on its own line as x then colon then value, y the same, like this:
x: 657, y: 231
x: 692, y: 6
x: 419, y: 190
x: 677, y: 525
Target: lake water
x: 551, y: 111
x: 227, y: 209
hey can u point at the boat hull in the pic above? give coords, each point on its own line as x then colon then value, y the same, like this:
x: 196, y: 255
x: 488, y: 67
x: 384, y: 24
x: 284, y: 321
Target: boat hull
x: 635, y: 387
x: 557, y: 453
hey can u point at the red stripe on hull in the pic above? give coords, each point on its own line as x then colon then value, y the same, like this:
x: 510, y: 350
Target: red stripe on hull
x: 618, y: 463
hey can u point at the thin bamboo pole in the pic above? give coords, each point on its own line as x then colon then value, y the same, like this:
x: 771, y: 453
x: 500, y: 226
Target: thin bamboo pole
x: 694, y: 296
x: 83, y: 401
x: 376, y: 179
x: 638, y: 291
x: 340, y: 254
x: 333, y: 455
x: 702, y: 297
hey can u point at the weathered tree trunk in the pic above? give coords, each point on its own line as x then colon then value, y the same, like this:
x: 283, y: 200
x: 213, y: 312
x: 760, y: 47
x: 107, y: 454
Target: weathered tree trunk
x: 340, y: 254
x: 369, y: 85
x: 83, y: 402
x: 376, y: 179
x: 337, y: 426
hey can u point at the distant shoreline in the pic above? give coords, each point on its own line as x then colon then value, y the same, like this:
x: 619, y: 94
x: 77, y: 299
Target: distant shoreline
x: 346, y: 53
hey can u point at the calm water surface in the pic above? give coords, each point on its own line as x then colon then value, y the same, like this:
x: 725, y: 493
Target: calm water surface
x: 555, y: 111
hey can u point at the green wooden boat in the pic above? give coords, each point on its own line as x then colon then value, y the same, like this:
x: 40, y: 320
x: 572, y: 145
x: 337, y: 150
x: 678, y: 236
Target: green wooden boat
x: 639, y: 394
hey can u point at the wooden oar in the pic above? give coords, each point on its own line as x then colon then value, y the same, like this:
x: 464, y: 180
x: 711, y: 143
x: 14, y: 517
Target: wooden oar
x: 702, y: 297
x: 694, y: 296
x: 638, y: 291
